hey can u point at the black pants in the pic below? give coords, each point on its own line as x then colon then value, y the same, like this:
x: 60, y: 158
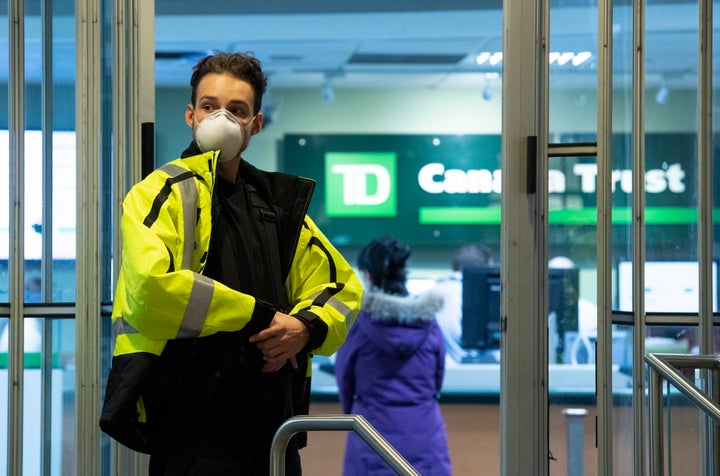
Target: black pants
x: 211, y: 410
x: 191, y: 462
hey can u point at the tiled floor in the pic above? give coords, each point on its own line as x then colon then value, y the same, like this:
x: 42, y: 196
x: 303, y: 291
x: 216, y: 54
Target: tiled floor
x: 473, y: 436
x: 474, y: 439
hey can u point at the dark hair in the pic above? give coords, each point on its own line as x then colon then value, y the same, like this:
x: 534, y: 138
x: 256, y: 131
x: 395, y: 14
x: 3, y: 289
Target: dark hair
x: 242, y: 66
x: 384, y: 259
x: 472, y: 254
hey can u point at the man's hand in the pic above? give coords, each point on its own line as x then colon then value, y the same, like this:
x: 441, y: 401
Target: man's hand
x: 285, y: 337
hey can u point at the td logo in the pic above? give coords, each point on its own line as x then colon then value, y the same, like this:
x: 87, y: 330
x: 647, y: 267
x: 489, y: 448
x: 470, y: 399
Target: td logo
x: 360, y: 184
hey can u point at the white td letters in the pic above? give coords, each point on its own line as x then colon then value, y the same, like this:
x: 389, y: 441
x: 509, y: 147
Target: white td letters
x: 355, y: 183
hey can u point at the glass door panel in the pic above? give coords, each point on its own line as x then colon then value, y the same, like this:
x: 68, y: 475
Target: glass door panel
x: 572, y: 239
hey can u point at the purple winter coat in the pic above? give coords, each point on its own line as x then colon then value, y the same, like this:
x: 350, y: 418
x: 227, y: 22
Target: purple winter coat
x: 390, y: 371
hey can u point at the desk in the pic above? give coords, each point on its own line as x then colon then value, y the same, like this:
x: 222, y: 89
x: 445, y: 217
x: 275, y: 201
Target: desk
x: 484, y: 379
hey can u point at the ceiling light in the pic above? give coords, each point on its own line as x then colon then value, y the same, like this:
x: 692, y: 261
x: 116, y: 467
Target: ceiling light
x: 328, y: 91
x: 581, y: 57
x: 565, y: 57
x: 487, y: 93
x: 496, y: 58
x: 560, y: 58
x: 482, y: 58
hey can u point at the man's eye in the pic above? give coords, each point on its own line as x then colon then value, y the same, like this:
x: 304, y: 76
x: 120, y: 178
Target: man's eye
x: 207, y: 107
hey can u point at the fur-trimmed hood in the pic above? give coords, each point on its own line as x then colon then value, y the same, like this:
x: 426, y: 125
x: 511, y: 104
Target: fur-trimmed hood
x: 384, y: 307
x: 399, y: 324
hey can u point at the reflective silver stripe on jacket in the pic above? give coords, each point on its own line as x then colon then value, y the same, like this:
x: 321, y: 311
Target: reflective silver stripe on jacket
x: 195, y: 313
x: 202, y: 290
x: 120, y: 326
x: 197, y: 308
x: 189, y: 198
x: 334, y: 303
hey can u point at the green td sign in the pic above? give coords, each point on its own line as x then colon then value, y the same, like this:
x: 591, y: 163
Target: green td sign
x: 360, y: 184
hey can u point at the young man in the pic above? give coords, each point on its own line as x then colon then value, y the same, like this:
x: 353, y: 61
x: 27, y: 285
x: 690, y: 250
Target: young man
x: 449, y: 318
x: 225, y: 289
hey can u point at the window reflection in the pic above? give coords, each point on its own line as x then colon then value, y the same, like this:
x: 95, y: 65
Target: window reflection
x: 57, y: 388
x: 670, y: 286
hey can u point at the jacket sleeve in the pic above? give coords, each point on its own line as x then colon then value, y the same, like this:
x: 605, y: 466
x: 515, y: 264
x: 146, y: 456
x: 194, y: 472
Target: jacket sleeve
x: 323, y: 286
x: 160, y: 298
x: 440, y: 367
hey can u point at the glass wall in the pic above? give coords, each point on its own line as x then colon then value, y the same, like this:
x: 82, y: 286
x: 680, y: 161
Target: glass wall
x: 715, y: 146
x: 433, y: 131
x: 421, y: 104
x: 572, y: 238
x: 45, y: 185
x: 428, y: 128
x: 439, y: 145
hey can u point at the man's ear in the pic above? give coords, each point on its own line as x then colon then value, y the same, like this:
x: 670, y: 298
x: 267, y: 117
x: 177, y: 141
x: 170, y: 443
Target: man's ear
x: 257, y: 124
x: 190, y: 115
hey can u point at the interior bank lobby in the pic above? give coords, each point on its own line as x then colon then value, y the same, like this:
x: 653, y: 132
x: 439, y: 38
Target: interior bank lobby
x: 573, y: 140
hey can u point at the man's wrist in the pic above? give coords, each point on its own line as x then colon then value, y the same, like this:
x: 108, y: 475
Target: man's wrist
x: 317, y: 329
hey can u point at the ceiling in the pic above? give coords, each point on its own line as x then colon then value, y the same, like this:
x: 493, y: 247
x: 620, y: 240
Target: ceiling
x: 366, y: 49
x: 411, y: 43
x: 397, y: 44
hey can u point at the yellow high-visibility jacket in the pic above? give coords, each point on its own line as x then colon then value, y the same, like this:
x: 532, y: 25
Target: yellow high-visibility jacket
x: 161, y: 292
x: 163, y: 298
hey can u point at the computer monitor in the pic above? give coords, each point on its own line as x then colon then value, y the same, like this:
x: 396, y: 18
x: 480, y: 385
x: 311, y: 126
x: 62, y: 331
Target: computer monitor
x: 481, y: 308
x: 481, y: 305
x: 670, y: 286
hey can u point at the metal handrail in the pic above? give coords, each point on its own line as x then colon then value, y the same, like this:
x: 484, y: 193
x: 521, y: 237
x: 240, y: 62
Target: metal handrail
x: 665, y: 366
x: 355, y: 423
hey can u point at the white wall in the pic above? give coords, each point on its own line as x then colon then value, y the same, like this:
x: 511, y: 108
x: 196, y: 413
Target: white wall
x: 353, y: 111
x: 411, y: 111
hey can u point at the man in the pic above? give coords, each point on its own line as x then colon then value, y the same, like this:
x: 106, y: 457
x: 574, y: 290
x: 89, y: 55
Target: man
x: 450, y: 316
x: 227, y: 280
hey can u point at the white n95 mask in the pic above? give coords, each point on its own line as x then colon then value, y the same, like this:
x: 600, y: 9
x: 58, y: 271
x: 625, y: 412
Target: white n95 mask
x: 220, y: 131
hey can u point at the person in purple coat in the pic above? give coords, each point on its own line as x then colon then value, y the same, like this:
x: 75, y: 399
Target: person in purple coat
x: 390, y: 368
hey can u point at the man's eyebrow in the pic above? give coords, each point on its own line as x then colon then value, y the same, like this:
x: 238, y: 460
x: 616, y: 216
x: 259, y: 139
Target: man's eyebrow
x: 238, y: 102
x: 232, y: 102
x: 207, y: 98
